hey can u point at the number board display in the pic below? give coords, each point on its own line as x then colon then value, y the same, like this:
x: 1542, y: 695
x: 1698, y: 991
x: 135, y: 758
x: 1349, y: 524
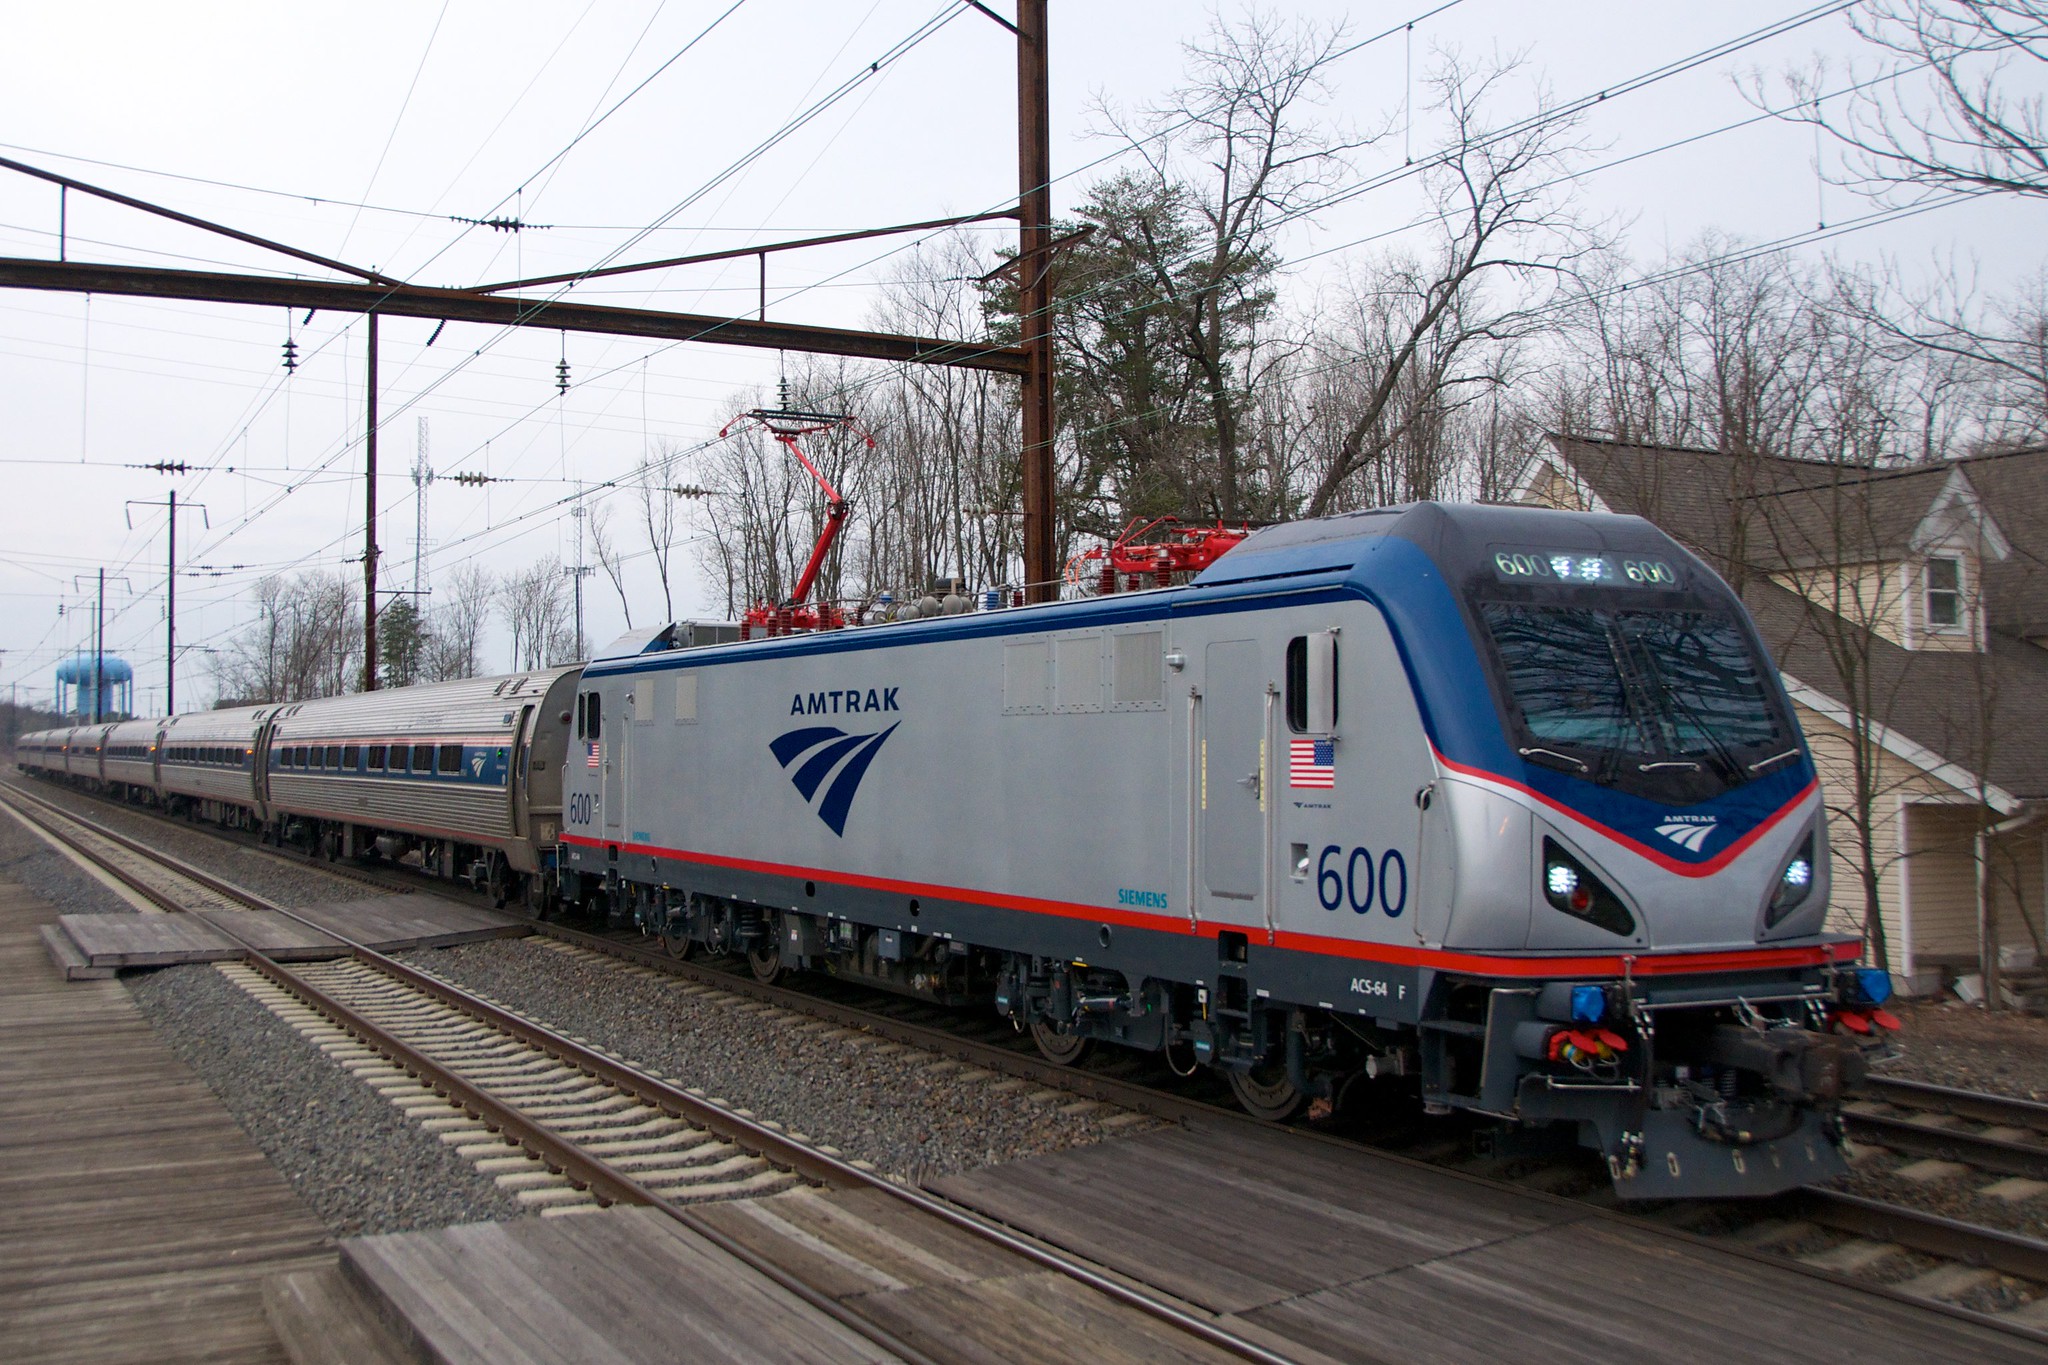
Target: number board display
x: 1583, y: 568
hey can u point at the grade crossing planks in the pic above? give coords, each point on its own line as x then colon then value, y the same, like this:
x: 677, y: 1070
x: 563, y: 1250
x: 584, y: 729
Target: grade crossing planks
x: 1362, y: 1258
x: 137, y: 1222
x: 392, y: 923
x: 631, y: 1285
x: 617, y: 1286
x: 387, y: 923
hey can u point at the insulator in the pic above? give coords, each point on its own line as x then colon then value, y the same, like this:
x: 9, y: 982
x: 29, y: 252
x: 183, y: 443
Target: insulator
x: 562, y: 375
x: 291, y: 354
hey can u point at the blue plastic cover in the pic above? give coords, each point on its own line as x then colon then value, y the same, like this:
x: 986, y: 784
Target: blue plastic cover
x: 1874, y: 985
x: 1589, y: 1004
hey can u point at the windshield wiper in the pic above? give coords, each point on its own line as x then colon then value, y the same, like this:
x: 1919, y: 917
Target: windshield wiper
x: 1672, y: 696
x: 1553, y: 755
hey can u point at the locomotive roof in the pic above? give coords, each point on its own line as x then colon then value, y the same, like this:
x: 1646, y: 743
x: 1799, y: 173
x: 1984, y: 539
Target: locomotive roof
x: 1455, y: 535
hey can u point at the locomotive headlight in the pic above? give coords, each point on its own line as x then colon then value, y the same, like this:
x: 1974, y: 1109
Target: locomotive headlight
x: 1570, y: 887
x: 1795, y: 880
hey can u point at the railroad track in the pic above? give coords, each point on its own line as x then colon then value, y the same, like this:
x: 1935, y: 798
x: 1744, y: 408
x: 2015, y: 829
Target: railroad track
x: 1884, y: 1247
x: 564, y: 1123
x: 1994, y: 1133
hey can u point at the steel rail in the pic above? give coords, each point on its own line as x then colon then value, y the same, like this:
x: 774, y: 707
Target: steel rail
x: 2001, y: 1156
x: 1950, y: 1238
x: 2004, y: 1110
x: 582, y: 1168
x: 585, y: 1168
x: 1932, y: 1234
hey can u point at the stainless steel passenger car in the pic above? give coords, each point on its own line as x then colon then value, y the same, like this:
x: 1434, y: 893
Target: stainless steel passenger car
x: 462, y: 777
x: 207, y: 764
x: 128, y: 759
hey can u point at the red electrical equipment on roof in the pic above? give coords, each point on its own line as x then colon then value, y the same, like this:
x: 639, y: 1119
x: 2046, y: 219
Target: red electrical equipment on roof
x: 795, y: 614
x: 1156, y: 549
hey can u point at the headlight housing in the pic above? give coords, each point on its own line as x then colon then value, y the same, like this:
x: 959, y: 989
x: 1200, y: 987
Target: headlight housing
x: 1795, y: 882
x: 1571, y: 887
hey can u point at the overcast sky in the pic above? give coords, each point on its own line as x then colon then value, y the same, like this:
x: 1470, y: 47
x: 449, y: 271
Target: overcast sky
x: 358, y: 131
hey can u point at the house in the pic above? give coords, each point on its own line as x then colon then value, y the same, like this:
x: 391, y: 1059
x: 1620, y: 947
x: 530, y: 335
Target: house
x: 1907, y: 608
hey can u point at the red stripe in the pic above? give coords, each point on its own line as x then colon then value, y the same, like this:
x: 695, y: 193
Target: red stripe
x: 1641, y: 964
x: 1661, y: 859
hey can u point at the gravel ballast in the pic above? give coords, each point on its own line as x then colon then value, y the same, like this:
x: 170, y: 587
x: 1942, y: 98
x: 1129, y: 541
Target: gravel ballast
x: 284, y: 881
x: 361, y: 1164
x: 358, y: 1162
x: 1969, y: 1048
x: 904, y: 1110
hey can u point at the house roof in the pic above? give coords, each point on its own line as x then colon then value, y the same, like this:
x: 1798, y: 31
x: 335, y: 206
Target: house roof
x: 1751, y: 516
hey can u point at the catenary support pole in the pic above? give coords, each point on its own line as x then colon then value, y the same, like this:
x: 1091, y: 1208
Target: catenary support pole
x: 370, y: 521
x: 99, y: 649
x: 171, y: 616
x: 1034, y: 183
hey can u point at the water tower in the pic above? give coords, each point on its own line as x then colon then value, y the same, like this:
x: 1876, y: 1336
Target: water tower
x: 75, y: 687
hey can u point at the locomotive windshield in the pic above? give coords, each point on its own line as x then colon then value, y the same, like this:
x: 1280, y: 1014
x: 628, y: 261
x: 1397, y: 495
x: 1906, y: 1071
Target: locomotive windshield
x: 1672, y: 701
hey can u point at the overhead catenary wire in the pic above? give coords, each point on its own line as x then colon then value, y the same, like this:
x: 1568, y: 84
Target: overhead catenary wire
x: 791, y: 295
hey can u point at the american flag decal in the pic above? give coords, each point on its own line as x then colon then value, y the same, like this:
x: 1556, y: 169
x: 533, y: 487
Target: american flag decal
x: 590, y: 761
x: 1311, y: 763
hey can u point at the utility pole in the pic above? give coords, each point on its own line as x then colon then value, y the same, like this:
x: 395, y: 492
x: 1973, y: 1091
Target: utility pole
x: 582, y: 570
x: 170, y: 593
x: 99, y: 636
x: 422, y: 476
x: 370, y: 523
x: 99, y: 650
x: 1034, y: 279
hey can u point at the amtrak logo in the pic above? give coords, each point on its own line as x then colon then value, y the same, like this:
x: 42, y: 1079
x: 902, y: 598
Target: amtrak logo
x: 1689, y: 832
x: 829, y: 748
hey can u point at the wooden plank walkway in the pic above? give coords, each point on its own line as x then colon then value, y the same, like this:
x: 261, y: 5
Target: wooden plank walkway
x: 630, y: 1285
x: 389, y: 923
x: 137, y: 1221
x: 1366, y: 1259
x: 620, y: 1285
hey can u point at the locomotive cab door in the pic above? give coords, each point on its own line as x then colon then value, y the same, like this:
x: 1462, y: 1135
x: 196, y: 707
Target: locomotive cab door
x: 613, y: 748
x: 1230, y: 784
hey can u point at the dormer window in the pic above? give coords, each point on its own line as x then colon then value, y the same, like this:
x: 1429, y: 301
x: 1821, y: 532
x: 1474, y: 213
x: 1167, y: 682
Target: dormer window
x: 1944, y: 594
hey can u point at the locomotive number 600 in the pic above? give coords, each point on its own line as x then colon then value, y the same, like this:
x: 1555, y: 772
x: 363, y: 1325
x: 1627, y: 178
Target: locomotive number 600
x: 1357, y: 880
x: 580, y: 804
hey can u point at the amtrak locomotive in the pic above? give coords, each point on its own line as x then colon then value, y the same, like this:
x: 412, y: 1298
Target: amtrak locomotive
x: 1504, y: 801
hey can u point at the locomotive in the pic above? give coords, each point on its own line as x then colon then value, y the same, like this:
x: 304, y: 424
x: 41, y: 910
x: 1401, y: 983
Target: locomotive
x: 1504, y: 802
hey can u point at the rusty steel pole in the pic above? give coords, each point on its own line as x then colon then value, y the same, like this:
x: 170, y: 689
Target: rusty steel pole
x: 370, y: 523
x: 1034, y: 208
x: 171, y: 614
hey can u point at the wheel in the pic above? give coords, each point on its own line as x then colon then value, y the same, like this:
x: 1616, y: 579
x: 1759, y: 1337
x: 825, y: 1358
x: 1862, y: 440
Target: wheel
x: 678, y: 946
x: 764, y: 955
x: 1065, y: 1049
x: 1266, y: 1093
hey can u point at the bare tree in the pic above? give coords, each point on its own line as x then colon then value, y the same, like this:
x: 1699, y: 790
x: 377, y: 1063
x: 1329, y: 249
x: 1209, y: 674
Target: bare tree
x: 1189, y: 247
x: 661, y: 517
x: 608, y: 556
x: 1937, y: 115
x: 535, y: 606
x: 306, y: 642
x: 1415, y: 324
x: 937, y: 489
x: 456, y: 625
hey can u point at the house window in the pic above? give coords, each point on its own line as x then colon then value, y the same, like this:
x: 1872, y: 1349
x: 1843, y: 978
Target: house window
x: 1945, y: 594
